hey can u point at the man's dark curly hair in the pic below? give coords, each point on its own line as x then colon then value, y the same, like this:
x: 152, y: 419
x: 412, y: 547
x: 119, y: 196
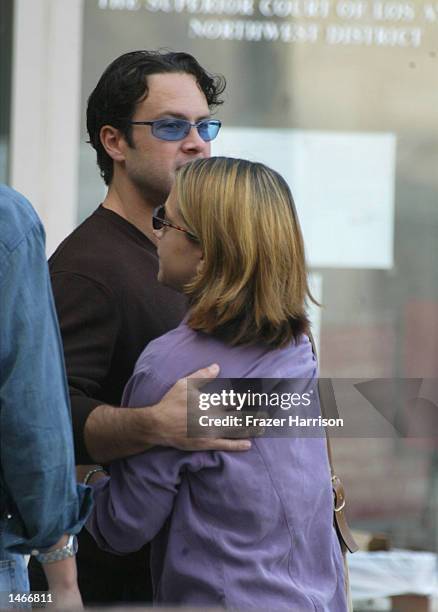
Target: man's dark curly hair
x: 124, y: 84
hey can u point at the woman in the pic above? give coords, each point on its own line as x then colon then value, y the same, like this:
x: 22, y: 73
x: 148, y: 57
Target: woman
x: 239, y: 530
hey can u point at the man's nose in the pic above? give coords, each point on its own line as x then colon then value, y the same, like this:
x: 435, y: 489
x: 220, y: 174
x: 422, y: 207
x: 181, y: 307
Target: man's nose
x: 193, y: 142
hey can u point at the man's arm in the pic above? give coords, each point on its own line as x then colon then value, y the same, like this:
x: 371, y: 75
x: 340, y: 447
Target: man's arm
x: 113, y: 433
x: 89, y: 322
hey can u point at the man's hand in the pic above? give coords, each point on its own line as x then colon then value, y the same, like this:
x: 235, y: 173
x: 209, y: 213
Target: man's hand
x: 115, y: 433
x: 170, y: 419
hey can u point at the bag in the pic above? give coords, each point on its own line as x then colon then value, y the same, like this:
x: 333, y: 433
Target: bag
x: 345, y: 537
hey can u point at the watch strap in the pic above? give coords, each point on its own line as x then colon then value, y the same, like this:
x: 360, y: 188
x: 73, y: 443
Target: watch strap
x: 58, y: 554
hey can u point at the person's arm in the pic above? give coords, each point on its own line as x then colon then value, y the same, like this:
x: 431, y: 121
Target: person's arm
x: 113, y: 433
x: 62, y: 580
x: 133, y: 503
x: 36, y: 448
x: 104, y: 433
x: 89, y: 322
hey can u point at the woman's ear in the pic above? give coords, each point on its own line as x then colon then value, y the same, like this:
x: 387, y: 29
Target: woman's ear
x: 201, y: 263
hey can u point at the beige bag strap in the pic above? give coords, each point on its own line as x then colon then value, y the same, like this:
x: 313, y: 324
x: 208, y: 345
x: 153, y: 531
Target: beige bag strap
x: 327, y: 398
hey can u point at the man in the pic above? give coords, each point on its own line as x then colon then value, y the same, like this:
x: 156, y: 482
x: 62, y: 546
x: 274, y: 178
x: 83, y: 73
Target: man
x: 148, y: 115
x: 41, y: 507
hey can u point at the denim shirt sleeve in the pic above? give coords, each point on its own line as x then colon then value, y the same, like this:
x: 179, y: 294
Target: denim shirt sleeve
x: 36, y: 447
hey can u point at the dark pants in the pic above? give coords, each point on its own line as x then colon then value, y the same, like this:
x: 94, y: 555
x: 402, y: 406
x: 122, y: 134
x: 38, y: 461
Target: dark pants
x: 104, y: 578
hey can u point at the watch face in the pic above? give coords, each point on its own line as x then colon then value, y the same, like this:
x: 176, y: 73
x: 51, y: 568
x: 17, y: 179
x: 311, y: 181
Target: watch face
x: 75, y: 545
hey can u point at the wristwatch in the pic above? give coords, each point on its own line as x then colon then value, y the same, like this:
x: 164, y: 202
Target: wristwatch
x: 69, y: 550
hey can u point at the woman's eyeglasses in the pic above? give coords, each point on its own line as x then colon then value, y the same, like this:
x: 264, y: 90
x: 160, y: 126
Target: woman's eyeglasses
x: 177, y: 129
x: 159, y: 222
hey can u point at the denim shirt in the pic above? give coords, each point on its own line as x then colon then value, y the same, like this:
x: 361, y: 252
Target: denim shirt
x: 38, y: 488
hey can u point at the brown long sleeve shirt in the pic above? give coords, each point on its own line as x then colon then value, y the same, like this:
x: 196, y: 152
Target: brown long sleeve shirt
x: 110, y: 306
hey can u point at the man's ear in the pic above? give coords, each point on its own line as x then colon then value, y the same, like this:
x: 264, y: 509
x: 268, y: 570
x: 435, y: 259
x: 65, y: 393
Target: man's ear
x: 113, y: 142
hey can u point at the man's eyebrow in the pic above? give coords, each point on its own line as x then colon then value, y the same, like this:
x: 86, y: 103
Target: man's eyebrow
x: 177, y: 115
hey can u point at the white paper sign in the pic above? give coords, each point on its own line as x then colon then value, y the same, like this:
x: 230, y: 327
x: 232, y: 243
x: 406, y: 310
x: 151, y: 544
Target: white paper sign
x: 342, y: 183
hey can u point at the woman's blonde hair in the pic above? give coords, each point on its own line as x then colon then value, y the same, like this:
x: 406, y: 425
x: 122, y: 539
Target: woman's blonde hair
x: 252, y: 285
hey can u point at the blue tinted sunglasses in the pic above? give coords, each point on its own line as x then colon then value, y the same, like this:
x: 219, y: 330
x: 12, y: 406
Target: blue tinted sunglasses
x: 177, y: 129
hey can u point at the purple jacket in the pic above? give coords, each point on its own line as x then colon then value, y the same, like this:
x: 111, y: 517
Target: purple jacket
x: 239, y: 530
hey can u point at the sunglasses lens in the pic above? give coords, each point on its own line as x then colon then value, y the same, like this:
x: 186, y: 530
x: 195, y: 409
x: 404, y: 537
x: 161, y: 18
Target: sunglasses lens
x: 158, y: 218
x: 177, y: 129
x: 208, y: 130
x: 171, y: 129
